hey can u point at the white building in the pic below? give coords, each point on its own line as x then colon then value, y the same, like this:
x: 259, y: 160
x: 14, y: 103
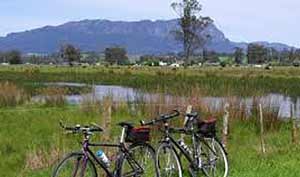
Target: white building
x: 5, y: 64
x: 161, y: 63
x: 175, y: 65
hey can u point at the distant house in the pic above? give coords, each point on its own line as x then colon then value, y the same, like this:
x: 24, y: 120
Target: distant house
x: 74, y: 63
x: 212, y: 64
x: 257, y: 66
x: 5, y: 64
x: 161, y: 63
x: 36, y: 55
x: 175, y: 65
x: 84, y: 64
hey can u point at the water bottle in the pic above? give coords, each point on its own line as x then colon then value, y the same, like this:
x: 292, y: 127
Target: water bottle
x: 103, y: 158
x: 184, y: 146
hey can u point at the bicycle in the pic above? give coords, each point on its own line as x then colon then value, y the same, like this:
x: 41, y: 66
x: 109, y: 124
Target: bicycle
x: 130, y: 162
x: 207, y: 155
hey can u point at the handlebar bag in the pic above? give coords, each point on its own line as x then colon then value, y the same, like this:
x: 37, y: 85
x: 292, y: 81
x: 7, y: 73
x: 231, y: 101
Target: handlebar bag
x: 138, y: 134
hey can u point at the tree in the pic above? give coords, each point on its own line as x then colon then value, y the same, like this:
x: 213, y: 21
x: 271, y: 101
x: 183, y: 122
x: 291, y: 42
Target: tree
x: 285, y: 56
x: 70, y: 53
x: 34, y: 59
x: 14, y: 57
x: 238, y: 55
x: 257, y: 54
x: 2, y: 57
x: 292, y: 55
x: 192, y: 25
x: 297, y: 54
x: 210, y: 56
x: 90, y: 57
x: 274, y: 54
x: 116, y: 55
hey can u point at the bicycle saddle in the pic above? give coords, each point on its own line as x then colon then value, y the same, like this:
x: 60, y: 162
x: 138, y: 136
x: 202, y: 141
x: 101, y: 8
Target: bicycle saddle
x: 192, y: 115
x: 126, y: 124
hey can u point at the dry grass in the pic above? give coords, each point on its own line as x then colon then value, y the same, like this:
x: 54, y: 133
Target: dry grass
x: 11, y: 95
x: 54, y: 96
x: 40, y: 159
x: 90, y: 105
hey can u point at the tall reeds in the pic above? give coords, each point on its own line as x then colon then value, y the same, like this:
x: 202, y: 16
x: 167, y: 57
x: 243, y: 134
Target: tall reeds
x: 11, y: 95
x: 54, y: 96
x: 212, y: 81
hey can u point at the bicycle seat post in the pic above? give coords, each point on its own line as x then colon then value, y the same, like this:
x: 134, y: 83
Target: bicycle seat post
x: 166, y: 127
x: 122, y: 139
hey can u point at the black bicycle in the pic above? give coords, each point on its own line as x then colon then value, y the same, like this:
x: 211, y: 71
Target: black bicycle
x: 206, y: 157
x: 137, y: 160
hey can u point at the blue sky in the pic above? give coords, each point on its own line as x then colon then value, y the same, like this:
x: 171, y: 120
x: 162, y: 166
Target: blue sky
x: 240, y: 20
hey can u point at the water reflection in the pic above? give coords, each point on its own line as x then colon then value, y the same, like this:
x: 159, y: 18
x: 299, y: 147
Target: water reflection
x: 279, y: 103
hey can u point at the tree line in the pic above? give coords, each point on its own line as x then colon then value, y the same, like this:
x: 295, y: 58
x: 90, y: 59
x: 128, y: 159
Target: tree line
x: 259, y: 54
x: 11, y: 57
x: 69, y: 54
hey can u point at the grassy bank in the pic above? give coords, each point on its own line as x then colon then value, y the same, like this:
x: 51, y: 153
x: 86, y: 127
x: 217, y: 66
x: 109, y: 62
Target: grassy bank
x: 211, y: 81
x: 31, y: 141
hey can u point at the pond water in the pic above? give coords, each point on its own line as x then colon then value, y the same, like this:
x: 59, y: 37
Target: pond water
x: 277, y: 102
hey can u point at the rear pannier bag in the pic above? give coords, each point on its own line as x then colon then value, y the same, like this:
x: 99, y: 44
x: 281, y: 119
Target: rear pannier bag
x: 207, y: 128
x: 138, y: 134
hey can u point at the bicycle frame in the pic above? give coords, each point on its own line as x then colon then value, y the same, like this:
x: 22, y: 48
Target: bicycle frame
x: 88, y: 154
x: 195, y: 161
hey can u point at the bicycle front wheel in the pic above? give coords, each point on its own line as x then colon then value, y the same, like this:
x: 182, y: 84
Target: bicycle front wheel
x: 140, y: 163
x: 214, y: 158
x: 74, y: 165
x: 167, y: 161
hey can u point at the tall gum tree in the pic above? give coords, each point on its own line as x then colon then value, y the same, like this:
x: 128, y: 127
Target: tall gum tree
x: 192, y: 25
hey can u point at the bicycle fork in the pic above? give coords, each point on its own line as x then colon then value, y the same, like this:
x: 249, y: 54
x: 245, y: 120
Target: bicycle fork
x: 85, y: 158
x: 80, y: 164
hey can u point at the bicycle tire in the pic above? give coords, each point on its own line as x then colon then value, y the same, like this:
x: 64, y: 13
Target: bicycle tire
x: 209, y: 153
x: 90, y: 170
x: 166, y: 152
x: 141, y: 149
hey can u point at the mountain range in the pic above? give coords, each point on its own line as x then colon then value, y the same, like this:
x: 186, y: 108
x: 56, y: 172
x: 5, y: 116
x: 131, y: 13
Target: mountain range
x: 139, y: 37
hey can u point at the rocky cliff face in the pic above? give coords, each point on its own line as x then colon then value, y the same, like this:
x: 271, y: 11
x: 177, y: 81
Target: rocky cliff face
x: 141, y: 37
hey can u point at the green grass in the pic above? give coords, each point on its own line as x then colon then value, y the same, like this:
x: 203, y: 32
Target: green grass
x: 25, y: 130
x: 246, y: 159
x: 30, y: 134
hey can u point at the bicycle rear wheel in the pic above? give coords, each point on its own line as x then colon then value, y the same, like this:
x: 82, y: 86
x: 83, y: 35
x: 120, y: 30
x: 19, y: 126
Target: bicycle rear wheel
x: 213, y: 158
x: 167, y: 161
x: 144, y: 156
x: 73, y: 166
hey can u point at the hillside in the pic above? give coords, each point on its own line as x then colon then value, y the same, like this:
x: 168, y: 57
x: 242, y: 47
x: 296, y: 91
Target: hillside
x: 141, y: 37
